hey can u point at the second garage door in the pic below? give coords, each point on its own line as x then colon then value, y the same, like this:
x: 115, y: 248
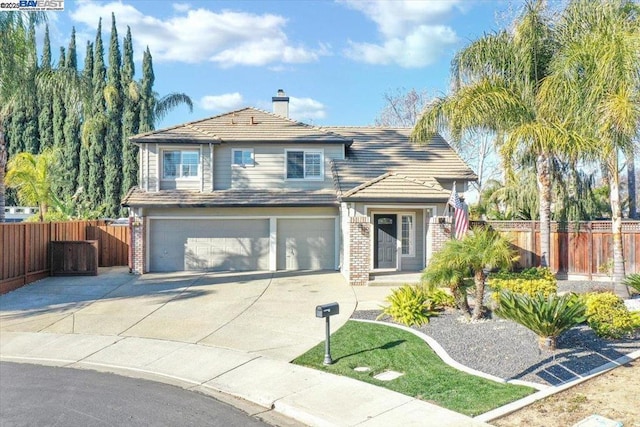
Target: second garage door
x: 209, y: 244
x: 306, y: 244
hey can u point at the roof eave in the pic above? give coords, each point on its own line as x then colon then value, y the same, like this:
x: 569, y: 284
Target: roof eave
x: 438, y: 199
x: 159, y: 204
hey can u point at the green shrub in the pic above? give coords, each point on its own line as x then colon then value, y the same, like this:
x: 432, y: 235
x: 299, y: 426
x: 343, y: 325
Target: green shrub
x: 635, y: 319
x: 413, y: 305
x: 441, y: 298
x: 633, y: 281
x: 608, y: 316
x: 529, y: 282
x: 547, y: 316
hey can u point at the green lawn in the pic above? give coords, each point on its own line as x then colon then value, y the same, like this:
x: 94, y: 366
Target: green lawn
x: 426, y: 376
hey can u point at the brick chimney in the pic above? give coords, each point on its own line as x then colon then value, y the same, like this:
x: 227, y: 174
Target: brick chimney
x: 281, y: 104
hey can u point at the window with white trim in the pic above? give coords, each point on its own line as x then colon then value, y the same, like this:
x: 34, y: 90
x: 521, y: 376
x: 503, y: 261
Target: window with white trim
x: 242, y: 157
x: 407, y: 234
x: 178, y: 164
x: 302, y: 164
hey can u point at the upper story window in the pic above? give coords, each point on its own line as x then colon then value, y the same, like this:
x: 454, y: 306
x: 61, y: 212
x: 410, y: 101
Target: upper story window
x: 180, y: 164
x: 302, y: 164
x: 243, y: 157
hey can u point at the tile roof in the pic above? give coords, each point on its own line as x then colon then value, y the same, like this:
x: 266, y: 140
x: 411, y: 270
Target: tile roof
x: 395, y: 186
x: 247, y: 124
x: 382, y: 164
x: 414, y: 168
x: 229, y: 198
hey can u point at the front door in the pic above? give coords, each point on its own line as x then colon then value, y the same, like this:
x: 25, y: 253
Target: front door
x: 386, y: 234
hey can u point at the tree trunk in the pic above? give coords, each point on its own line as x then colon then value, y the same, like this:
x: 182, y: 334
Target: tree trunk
x: 616, y: 229
x: 460, y: 297
x: 631, y: 182
x: 3, y: 165
x: 478, y: 309
x: 547, y: 343
x: 544, y: 186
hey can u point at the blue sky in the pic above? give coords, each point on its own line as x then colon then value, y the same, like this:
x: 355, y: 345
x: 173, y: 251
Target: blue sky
x: 335, y: 59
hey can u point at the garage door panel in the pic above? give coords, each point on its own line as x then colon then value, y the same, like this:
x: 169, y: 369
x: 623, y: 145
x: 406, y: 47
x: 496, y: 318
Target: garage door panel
x: 209, y: 244
x: 306, y: 244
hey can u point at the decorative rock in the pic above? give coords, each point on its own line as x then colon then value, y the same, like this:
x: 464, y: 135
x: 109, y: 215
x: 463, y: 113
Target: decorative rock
x: 598, y: 421
x: 388, y: 375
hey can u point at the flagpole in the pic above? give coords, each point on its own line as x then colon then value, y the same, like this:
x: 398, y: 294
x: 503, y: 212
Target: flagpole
x: 452, y: 214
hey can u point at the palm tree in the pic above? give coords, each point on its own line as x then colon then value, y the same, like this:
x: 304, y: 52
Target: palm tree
x: 599, y: 76
x: 496, y: 82
x: 547, y: 316
x: 481, y: 250
x: 14, y: 60
x: 442, y: 272
x: 33, y: 176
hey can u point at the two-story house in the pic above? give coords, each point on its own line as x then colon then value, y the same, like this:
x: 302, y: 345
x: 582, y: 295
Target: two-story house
x: 251, y: 190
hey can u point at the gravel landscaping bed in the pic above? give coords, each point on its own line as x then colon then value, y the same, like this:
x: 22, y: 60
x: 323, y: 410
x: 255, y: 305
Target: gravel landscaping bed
x: 508, y: 350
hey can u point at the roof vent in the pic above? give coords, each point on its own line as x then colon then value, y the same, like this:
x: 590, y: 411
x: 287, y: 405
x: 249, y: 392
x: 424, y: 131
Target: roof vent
x: 281, y: 104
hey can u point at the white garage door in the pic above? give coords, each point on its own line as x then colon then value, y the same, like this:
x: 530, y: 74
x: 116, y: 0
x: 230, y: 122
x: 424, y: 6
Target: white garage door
x: 209, y: 244
x: 306, y: 244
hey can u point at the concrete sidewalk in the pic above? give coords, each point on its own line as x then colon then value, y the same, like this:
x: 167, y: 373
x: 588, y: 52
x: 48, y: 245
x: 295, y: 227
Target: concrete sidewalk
x: 305, y: 395
x: 222, y: 332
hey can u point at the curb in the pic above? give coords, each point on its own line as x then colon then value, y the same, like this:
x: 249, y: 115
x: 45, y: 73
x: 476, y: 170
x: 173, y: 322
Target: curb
x: 526, y: 401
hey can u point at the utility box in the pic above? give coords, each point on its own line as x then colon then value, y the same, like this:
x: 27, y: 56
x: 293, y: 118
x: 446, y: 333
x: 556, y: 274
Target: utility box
x: 326, y: 310
x: 74, y: 258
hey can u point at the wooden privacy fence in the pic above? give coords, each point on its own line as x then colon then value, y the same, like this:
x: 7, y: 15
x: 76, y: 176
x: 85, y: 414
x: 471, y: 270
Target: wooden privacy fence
x: 579, y: 249
x: 25, y: 247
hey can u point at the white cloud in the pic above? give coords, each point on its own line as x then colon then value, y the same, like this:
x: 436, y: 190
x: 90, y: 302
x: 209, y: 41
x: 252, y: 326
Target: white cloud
x: 226, y: 37
x: 222, y: 103
x: 306, y: 109
x: 412, y: 31
x: 181, y: 7
x: 418, y: 49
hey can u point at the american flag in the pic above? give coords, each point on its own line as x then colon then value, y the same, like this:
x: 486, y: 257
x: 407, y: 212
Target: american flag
x: 461, y: 219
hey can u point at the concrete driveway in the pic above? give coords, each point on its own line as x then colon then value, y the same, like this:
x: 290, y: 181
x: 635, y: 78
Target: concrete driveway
x: 271, y: 314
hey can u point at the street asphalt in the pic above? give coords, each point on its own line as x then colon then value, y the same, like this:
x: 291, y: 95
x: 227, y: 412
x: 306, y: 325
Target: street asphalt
x: 225, y: 334
x: 35, y: 395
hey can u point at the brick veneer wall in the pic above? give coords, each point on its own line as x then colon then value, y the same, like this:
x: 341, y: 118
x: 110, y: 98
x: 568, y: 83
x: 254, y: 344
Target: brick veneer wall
x: 440, y: 232
x: 137, y: 245
x: 359, y: 250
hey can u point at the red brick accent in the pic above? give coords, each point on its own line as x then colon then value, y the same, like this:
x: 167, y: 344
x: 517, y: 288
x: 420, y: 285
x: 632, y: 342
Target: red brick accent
x: 359, y: 250
x: 440, y: 232
x: 137, y: 243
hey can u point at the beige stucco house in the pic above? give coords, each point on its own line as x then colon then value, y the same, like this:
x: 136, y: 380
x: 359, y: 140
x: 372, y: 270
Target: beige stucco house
x: 252, y: 190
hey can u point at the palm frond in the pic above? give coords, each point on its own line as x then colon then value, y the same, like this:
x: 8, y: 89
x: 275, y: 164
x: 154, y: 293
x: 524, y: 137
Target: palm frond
x: 171, y: 101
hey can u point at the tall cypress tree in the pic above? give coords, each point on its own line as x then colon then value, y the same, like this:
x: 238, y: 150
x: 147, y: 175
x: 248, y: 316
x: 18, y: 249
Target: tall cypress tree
x: 45, y: 98
x: 113, y: 142
x: 96, y: 124
x: 147, y: 98
x: 59, y: 113
x: 87, y: 77
x: 130, y: 117
x: 15, y: 130
x: 71, y: 60
x: 72, y: 146
x: 59, y: 117
x: 30, y: 135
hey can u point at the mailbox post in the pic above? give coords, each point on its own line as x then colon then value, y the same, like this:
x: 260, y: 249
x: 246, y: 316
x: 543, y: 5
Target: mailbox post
x: 326, y: 311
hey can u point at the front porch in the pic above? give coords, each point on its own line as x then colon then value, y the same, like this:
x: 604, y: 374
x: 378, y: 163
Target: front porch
x: 391, y: 247
x: 393, y: 278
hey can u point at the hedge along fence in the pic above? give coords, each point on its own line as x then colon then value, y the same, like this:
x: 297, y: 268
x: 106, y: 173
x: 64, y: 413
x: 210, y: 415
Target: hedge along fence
x: 580, y: 249
x: 25, y: 247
